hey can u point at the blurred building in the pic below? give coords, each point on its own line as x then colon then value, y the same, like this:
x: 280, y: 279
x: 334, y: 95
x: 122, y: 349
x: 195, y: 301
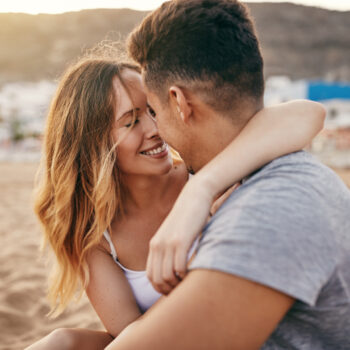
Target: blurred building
x: 24, y: 106
x: 332, y: 145
x: 23, y: 110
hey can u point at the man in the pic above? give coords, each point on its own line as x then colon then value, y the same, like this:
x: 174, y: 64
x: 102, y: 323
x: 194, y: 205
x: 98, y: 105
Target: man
x: 272, y: 268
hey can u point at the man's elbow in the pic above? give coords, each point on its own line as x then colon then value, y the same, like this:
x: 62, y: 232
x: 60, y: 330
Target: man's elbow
x: 318, y: 112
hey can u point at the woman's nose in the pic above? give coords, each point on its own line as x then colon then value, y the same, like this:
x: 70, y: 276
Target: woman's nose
x: 150, y: 126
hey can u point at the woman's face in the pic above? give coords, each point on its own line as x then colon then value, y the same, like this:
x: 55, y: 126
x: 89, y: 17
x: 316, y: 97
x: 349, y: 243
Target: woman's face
x: 140, y: 149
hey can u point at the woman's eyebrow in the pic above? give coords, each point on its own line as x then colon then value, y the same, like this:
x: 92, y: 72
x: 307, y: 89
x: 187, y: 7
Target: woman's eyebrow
x: 131, y: 111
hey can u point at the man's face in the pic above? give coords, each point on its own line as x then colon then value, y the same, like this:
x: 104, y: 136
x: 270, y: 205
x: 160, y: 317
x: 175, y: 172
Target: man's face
x: 171, y: 128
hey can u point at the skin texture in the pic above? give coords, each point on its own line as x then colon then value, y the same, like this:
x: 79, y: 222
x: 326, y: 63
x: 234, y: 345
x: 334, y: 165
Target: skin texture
x: 208, y: 310
x: 63, y: 338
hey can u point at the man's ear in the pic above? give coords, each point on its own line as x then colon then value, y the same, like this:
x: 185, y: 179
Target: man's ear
x: 180, y: 100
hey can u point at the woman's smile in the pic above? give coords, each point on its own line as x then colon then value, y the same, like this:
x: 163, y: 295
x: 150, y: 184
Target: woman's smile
x: 158, y: 151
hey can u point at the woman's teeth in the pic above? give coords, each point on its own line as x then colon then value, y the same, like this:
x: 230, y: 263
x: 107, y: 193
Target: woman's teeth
x: 156, y: 151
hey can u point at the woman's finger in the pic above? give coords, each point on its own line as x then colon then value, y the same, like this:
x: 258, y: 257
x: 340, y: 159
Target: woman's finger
x: 180, y: 262
x: 157, y: 271
x: 149, y: 265
x: 169, y: 277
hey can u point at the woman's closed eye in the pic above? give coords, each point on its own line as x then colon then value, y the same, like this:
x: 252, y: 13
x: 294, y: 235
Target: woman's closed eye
x: 132, y: 118
x: 132, y: 123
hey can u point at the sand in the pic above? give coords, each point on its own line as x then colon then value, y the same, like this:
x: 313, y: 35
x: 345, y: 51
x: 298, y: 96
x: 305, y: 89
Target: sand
x: 23, y: 274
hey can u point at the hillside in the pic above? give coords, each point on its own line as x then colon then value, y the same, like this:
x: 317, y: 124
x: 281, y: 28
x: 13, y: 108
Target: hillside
x: 298, y: 41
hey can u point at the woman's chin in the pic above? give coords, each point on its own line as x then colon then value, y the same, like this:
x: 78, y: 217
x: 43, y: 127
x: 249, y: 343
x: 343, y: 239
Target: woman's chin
x: 149, y: 170
x: 165, y: 168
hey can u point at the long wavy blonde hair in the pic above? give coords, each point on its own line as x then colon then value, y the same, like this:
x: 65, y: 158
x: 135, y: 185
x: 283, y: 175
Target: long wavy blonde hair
x: 79, y: 188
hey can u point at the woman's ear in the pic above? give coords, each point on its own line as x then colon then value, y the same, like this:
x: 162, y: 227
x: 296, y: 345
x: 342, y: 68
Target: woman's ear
x: 181, y: 102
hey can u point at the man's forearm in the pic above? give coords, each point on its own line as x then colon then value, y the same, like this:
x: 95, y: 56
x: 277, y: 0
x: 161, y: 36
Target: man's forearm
x: 208, y: 310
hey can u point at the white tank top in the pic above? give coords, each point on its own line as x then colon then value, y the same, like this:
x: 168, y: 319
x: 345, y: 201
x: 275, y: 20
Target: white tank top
x: 142, y: 288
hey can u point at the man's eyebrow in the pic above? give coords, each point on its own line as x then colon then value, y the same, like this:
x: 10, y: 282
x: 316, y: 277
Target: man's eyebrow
x: 131, y: 111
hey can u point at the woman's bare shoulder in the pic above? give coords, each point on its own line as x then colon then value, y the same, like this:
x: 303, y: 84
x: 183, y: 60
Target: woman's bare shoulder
x: 109, y: 291
x: 99, y: 251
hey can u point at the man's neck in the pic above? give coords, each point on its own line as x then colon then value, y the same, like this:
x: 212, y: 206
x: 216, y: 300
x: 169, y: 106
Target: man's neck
x: 217, y: 133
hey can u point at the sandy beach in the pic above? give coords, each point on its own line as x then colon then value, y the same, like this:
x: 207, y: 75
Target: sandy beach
x: 23, y: 273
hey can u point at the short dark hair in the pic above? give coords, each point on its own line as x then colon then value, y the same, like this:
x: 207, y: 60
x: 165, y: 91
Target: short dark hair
x: 209, y: 46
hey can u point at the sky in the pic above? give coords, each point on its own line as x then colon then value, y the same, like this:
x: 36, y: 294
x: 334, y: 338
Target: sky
x: 50, y: 6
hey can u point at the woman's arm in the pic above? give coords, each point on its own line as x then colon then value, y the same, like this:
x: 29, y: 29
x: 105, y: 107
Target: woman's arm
x: 110, y: 293
x: 271, y: 133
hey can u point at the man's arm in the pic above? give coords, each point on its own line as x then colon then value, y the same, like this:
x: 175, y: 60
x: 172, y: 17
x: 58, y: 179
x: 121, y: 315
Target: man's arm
x: 208, y: 310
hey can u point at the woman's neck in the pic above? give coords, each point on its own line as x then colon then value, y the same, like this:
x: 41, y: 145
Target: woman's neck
x: 150, y: 198
x: 149, y: 193
x: 142, y: 192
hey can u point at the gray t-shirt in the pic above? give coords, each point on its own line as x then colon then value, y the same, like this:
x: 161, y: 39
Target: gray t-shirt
x: 288, y: 227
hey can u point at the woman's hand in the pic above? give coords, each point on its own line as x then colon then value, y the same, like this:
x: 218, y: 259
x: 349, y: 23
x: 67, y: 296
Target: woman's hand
x: 167, y: 258
x: 169, y: 247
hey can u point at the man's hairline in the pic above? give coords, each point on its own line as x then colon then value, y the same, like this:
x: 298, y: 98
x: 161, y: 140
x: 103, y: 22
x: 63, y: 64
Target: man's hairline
x: 259, y: 101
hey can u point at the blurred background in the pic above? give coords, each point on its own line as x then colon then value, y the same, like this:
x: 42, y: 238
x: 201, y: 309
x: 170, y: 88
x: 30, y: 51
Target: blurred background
x: 306, y: 47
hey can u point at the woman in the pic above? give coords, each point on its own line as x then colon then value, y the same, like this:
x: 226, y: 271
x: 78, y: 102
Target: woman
x: 108, y: 181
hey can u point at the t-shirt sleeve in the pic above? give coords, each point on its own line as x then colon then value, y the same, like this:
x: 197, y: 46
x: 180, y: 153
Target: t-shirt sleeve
x: 275, y: 230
